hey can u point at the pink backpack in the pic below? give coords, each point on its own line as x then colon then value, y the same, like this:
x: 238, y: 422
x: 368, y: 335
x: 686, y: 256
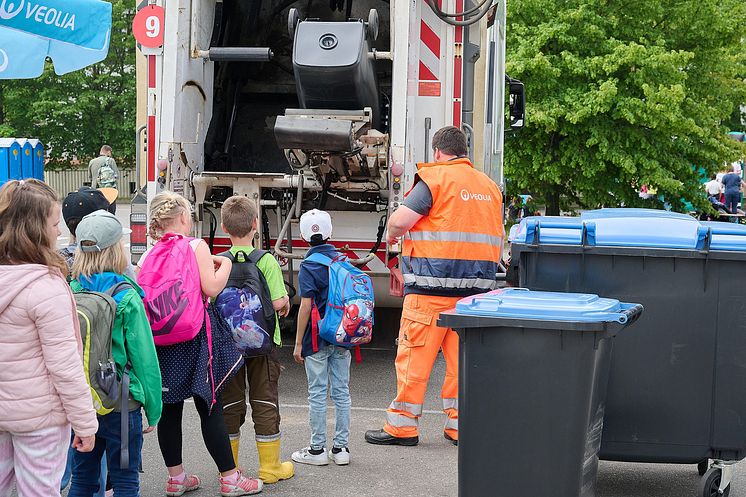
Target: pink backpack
x: 173, y: 299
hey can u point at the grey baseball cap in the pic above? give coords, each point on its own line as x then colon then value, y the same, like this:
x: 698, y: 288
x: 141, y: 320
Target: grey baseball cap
x: 100, y: 229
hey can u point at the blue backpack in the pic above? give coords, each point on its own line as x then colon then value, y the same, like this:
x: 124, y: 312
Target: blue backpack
x: 348, y: 320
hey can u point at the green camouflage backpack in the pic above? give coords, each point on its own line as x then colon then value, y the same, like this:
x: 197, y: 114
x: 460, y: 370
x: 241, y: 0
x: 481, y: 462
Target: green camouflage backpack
x: 107, y: 178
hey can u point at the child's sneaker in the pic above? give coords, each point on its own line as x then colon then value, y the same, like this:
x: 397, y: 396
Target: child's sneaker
x: 340, y: 456
x: 316, y: 457
x: 241, y: 486
x: 175, y: 488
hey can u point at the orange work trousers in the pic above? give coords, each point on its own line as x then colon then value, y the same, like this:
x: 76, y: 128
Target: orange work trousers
x: 420, y: 339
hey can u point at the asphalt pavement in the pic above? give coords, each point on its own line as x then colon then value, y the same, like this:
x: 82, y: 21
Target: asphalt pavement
x: 429, y: 469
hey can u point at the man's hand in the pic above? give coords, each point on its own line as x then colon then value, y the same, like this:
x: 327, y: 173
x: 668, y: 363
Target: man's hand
x: 84, y: 444
x: 149, y: 429
x: 297, y: 353
x: 400, y: 222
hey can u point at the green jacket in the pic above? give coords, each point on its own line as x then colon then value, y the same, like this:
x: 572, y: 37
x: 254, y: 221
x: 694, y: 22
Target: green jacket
x: 131, y: 341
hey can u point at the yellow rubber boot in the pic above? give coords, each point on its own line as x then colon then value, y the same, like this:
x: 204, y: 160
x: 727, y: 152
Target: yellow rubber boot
x: 235, y: 444
x: 271, y: 470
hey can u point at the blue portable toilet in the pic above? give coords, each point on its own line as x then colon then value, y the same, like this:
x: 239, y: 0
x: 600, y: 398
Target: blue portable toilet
x: 5, y: 159
x: 14, y: 157
x: 27, y: 158
x: 38, y: 158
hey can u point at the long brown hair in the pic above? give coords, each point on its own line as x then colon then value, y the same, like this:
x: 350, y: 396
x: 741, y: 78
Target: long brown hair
x: 25, y: 208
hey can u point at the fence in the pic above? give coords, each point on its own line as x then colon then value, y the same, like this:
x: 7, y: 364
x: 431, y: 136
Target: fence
x: 69, y: 180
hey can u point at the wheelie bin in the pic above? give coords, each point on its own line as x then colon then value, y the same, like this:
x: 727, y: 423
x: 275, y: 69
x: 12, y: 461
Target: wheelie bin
x: 533, y: 368
x: 677, y: 382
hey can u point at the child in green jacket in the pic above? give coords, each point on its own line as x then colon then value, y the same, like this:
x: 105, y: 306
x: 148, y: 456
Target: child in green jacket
x: 100, y: 262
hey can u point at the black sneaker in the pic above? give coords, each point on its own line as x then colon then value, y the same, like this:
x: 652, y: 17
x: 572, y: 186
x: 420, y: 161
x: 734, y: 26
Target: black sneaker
x: 380, y: 437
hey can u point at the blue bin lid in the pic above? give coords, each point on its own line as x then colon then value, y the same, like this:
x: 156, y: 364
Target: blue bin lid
x: 520, y: 303
x: 641, y: 228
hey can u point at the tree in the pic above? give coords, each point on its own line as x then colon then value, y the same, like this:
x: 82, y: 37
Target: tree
x: 75, y: 114
x: 624, y: 94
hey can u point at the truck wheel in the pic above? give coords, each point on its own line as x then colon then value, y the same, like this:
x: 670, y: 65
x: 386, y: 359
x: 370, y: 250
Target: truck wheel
x: 703, y: 466
x: 293, y: 19
x: 371, y: 28
x: 710, y: 484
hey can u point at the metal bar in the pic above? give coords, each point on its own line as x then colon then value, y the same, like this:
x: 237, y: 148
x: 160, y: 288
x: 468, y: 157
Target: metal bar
x: 428, y: 124
x: 237, y: 54
x: 138, y: 140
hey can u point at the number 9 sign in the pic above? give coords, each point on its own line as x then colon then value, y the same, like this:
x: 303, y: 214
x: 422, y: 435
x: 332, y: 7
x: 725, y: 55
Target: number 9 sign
x: 148, y: 26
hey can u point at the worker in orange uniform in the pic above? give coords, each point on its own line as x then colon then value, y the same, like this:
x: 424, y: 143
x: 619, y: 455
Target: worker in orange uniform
x: 452, y: 229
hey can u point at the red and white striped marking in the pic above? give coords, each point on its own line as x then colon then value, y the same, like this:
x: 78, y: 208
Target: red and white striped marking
x: 150, y: 130
x: 429, y: 53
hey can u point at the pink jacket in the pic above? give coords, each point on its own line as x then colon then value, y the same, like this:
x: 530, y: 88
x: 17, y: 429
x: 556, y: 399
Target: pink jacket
x: 42, y: 383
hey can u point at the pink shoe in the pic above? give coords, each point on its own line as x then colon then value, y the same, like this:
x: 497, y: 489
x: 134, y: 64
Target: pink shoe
x: 244, y: 486
x: 176, y: 488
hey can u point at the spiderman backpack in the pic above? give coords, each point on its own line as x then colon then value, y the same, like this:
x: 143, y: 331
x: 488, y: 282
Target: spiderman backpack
x: 348, y: 320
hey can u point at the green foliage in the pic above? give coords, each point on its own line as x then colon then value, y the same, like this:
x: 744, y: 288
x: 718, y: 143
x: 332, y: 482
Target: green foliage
x: 75, y: 114
x: 624, y: 94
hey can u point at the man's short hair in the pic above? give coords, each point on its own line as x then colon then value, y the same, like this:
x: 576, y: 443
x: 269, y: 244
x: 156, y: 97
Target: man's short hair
x: 105, y: 149
x: 451, y: 141
x: 238, y: 215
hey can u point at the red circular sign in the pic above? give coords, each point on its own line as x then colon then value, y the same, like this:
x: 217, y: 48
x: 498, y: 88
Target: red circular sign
x: 148, y: 26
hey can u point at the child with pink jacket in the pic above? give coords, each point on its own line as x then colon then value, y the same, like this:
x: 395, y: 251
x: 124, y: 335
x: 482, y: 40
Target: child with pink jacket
x: 43, y: 390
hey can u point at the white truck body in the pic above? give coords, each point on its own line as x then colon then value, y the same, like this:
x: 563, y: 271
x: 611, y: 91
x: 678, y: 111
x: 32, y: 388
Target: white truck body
x: 422, y: 75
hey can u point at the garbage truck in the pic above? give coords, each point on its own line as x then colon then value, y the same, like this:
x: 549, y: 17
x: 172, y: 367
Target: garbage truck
x: 316, y: 104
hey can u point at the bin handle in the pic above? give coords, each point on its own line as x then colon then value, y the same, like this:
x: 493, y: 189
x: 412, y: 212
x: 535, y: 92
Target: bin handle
x: 534, y: 227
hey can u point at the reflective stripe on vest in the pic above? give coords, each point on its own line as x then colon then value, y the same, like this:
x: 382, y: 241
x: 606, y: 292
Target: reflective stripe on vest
x: 457, y: 245
x: 400, y: 420
x: 452, y: 424
x: 413, y: 409
x: 456, y: 236
x: 454, y: 283
x: 450, y: 404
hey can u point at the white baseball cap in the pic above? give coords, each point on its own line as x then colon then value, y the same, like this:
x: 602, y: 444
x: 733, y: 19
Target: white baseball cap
x: 315, y: 222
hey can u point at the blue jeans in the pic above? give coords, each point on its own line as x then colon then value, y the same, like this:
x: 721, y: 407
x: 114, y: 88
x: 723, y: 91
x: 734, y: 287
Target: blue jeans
x: 87, y: 465
x: 731, y: 202
x: 329, y: 365
x: 67, y: 475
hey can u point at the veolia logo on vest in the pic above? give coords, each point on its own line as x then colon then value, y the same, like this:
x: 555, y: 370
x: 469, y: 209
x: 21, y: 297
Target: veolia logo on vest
x: 40, y: 13
x: 466, y: 195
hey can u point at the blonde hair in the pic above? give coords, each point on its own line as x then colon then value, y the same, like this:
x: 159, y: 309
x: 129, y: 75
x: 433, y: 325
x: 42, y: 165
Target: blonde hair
x: 25, y: 209
x: 237, y: 215
x: 164, y: 209
x: 111, y: 258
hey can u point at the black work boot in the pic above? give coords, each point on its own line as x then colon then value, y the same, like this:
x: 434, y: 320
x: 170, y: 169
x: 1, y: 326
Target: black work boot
x: 450, y: 438
x: 380, y: 437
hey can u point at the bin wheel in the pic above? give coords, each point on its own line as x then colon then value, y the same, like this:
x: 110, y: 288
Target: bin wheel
x: 709, y: 486
x: 703, y: 466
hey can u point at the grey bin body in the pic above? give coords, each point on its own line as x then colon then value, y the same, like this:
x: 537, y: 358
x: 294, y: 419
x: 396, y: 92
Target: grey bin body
x: 531, y: 404
x: 677, y: 380
x: 340, y: 76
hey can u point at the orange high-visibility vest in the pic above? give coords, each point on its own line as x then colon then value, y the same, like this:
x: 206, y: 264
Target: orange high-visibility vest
x: 456, y: 247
